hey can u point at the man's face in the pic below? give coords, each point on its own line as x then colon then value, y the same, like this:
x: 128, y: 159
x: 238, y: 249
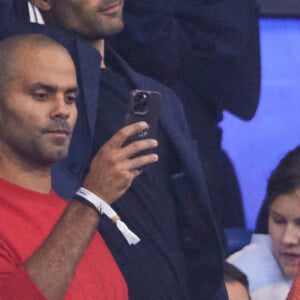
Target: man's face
x: 38, y: 112
x: 284, y: 229
x: 91, y: 19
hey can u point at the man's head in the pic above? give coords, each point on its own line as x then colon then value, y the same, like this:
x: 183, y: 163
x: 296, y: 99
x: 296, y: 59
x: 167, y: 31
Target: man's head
x: 38, y: 91
x: 91, y: 19
x: 236, y: 282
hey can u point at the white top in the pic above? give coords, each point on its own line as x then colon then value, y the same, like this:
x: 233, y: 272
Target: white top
x: 256, y: 260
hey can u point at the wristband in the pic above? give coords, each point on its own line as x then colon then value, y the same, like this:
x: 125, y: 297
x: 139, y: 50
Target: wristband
x: 87, y: 197
x: 93, y: 200
x: 88, y: 203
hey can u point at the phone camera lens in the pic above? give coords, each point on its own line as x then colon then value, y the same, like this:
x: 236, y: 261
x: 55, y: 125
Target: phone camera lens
x: 140, y: 104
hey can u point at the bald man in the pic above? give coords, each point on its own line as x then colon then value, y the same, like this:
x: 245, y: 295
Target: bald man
x: 49, y: 248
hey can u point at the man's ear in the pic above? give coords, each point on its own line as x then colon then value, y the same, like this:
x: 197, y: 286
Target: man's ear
x: 42, y: 5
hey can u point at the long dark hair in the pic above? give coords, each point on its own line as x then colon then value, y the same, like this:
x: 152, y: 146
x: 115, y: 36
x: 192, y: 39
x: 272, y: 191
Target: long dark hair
x: 285, y: 179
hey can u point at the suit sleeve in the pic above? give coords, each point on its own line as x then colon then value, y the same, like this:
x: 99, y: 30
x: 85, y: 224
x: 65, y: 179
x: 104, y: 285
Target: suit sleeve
x: 211, y: 47
x: 222, y: 59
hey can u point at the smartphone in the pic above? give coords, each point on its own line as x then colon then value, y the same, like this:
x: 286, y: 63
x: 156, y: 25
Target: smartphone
x: 143, y: 106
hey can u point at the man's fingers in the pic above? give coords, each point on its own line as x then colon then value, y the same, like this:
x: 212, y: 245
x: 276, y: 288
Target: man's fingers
x: 135, y: 147
x: 126, y: 132
x: 135, y: 173
x: 140, y: 161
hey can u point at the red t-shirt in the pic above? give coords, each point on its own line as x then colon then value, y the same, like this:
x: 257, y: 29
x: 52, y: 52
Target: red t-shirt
x: 294, y: 293
x: 26, y: 219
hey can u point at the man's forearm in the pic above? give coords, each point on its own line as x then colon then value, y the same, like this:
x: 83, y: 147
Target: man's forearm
x: 53, y: 265
x: 111, y: 173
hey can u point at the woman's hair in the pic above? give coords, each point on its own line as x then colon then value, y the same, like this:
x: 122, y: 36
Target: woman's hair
x: 285, y: 179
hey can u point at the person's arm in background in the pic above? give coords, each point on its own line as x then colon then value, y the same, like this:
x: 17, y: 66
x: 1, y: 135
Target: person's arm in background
x: 212, y: 47
x: 224, y: 53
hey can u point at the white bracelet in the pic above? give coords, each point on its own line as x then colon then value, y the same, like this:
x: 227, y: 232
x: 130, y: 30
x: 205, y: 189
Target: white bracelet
x: 92, y: 198
x: 104, y: 208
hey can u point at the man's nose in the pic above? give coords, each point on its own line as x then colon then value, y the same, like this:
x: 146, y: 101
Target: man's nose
x: 60, y: 108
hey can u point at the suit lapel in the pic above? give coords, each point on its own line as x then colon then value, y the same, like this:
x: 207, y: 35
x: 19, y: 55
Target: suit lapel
x: 89, y: 66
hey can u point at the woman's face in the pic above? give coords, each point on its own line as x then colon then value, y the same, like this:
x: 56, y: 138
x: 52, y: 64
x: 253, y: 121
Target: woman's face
x: 284, y: 229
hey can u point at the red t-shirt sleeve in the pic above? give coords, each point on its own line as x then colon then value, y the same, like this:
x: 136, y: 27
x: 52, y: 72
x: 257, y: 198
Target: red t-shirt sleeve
x: 19, y: 286
x: 15, y: 282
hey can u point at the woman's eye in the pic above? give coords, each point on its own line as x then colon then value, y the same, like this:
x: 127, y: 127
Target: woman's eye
x: 279, y: 220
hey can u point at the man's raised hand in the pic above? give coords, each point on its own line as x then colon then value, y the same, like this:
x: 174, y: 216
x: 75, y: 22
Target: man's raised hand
x: 115, y: 166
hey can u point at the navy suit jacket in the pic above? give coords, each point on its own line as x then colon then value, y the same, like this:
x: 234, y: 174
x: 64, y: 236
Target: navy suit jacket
x: 207, y: 51
x: 202, y: 251
x: 208, y: 46
x: 201, y: 241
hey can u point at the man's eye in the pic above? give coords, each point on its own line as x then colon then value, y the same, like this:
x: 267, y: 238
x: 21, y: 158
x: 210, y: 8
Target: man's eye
x: 40, y: 96
x: 70, y: 99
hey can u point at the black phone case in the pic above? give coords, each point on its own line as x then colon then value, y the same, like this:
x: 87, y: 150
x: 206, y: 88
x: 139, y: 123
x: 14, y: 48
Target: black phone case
x: 144, y: 106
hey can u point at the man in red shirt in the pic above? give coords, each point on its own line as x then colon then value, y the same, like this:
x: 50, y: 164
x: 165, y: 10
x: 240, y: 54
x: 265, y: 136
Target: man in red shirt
x: 49, y: 248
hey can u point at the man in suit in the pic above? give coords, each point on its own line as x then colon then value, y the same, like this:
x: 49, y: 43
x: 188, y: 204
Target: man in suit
x: 179, y: 255
x: 207, y: 51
